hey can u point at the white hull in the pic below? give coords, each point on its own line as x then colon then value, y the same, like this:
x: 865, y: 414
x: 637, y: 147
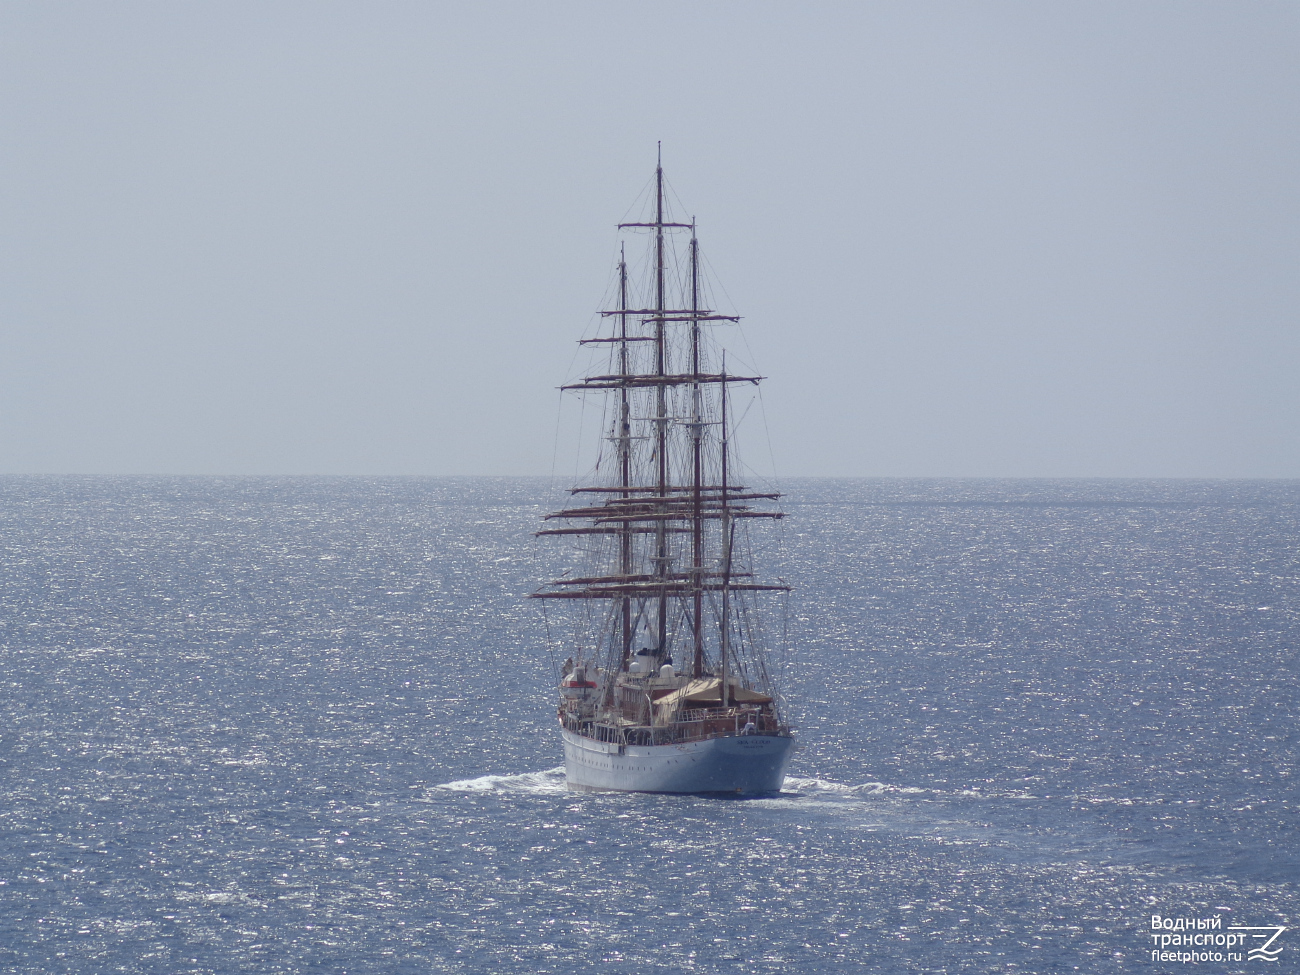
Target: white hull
x: 743, y: 764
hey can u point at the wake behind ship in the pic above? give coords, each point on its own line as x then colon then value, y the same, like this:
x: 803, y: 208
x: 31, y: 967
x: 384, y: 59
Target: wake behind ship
x: 668, y: 686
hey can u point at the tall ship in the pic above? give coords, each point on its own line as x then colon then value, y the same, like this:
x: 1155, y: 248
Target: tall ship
x: 669, y: 685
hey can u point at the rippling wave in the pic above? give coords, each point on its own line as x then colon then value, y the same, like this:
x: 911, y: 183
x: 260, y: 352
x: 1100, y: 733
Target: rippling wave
x: 260, y: 724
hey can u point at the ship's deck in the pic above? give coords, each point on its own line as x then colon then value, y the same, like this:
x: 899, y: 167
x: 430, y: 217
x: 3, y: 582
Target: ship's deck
x: 692, y: 725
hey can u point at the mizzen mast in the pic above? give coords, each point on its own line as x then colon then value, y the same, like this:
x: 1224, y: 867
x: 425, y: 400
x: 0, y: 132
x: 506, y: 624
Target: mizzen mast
x: 624, y: 459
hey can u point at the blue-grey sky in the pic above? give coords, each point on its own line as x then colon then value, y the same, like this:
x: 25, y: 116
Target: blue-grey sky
x: 1003, y: 239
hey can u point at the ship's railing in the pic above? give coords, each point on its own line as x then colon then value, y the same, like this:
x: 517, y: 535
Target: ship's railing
x: 722, y: 714
x: 697, y: 723
x: 691, y: 725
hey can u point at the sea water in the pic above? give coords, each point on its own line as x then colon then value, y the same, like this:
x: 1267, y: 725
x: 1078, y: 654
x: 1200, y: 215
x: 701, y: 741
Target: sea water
x: 307, y: 725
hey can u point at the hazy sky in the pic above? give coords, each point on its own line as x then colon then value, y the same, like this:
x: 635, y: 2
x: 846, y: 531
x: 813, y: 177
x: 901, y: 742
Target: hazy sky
x: 1020, y: 239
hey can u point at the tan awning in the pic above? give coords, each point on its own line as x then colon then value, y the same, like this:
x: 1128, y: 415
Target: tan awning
x: 708, y: 693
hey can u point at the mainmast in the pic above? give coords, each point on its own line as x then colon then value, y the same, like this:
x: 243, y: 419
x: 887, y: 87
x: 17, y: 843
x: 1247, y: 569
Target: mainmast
x: 661, y: 410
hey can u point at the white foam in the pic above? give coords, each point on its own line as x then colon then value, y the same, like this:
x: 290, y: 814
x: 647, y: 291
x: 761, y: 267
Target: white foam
x: 793, y: 784
x: 827, y: 787
x: 552, y: 780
